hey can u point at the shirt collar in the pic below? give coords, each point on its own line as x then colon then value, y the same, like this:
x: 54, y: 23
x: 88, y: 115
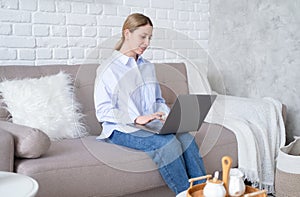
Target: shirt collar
x: 125, y: 59
x: 140, y: 60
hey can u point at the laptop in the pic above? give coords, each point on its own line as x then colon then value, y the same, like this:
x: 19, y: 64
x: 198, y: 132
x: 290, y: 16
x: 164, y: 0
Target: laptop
x: 187, y: 114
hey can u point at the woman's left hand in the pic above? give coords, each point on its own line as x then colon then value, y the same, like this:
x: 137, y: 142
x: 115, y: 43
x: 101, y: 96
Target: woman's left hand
x: 148, y: 118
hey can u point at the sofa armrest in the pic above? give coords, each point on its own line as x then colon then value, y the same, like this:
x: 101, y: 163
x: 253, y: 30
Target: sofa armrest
x: 6, y: 151
x: 28, y: 142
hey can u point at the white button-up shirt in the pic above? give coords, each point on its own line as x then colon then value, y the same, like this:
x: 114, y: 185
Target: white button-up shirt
x: 124, y: 90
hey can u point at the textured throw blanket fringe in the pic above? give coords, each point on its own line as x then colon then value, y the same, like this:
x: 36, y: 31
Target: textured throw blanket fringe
x: 259, y: 128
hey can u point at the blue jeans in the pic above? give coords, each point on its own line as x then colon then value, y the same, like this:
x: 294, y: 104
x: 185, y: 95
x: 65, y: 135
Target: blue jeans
x: 177, y: 156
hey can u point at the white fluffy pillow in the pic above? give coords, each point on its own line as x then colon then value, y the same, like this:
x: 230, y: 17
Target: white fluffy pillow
x: 47, y: 103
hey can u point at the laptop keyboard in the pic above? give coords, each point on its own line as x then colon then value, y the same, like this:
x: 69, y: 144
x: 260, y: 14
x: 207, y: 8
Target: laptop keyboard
x: 154, y: 125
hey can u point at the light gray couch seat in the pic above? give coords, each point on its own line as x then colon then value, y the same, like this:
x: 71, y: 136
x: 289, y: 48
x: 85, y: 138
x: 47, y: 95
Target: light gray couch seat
x: 96, y: 166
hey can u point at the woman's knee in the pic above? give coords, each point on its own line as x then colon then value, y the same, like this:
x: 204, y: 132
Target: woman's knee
x: 163, y: 140
x: 186, y: 139
x: 168, y: 152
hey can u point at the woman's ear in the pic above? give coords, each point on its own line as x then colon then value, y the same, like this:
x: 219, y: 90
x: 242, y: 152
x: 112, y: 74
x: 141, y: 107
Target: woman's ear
x: 126, y: 34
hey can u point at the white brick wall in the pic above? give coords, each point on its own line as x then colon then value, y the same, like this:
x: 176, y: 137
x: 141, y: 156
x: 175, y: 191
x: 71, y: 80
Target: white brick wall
x: 37, y: 32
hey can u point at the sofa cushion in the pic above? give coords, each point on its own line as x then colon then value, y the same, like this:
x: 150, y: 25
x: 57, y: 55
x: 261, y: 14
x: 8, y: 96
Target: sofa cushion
x: 84, y: 90
x: 29, y: 142
x: 46, y: 103
x: 172, y: 78
x: 87, y: 167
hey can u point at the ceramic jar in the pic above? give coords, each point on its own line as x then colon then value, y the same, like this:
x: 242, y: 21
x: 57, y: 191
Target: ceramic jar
x: 236, y: 185
x: 214, y: 188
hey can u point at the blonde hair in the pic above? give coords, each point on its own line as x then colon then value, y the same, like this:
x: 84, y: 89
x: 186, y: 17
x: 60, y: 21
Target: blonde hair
x: 132, y: 22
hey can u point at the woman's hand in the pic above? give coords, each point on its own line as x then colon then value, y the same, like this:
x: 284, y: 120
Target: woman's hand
x: 148, y: 118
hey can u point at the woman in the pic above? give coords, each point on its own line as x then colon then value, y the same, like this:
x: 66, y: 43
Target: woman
x: 127, y: 91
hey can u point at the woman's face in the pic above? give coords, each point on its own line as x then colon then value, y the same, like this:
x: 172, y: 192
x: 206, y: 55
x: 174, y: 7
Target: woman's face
x: 138, y: 40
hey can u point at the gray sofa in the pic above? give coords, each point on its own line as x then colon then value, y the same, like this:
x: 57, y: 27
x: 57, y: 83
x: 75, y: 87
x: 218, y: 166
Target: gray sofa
x: 86, y: 167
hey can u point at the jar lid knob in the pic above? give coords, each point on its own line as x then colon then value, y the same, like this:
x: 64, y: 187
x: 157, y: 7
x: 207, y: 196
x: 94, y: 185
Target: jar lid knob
x: 216, y: 176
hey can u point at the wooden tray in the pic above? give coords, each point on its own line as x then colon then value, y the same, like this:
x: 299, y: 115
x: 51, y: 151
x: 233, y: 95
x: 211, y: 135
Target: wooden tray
x: 197, y: 191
